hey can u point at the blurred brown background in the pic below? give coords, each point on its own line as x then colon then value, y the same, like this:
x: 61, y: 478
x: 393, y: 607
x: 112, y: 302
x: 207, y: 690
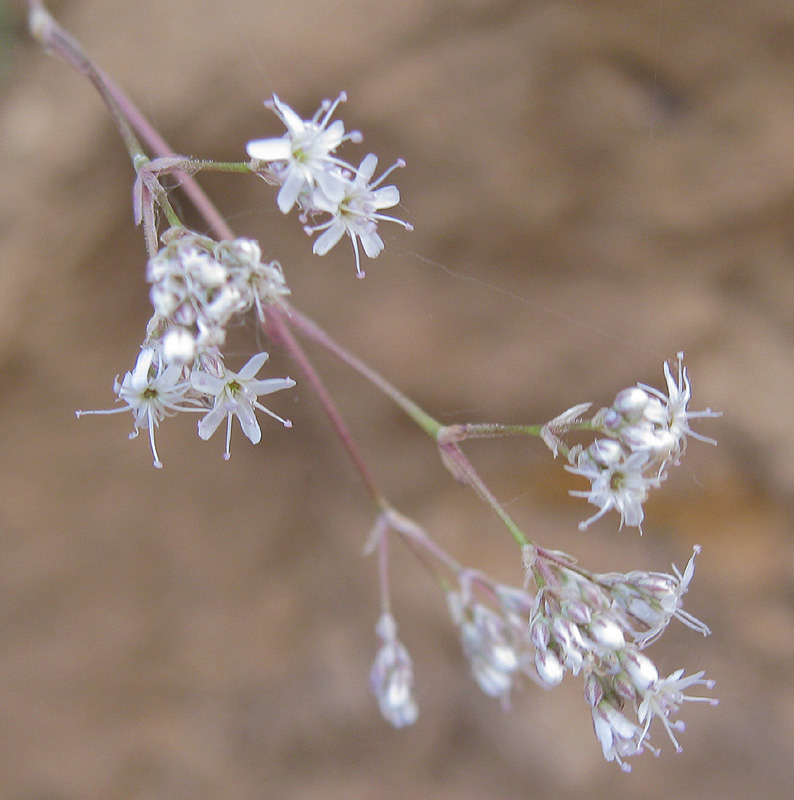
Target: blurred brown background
x: 595, y: 185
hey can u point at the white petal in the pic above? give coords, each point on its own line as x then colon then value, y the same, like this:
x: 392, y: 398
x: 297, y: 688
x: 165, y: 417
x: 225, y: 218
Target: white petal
x: 207, y: 384
x: 329, y: 238
x: 270, y: 385
x: 333, y: 186
x: 248, y: 422
x: 293, y: 122
x: 288, y: 194
x: 386, y: 197
x: 269, y: 149
x: 254, y: 364
x: 373, y: 244
x: 367, y: 169
x: 209, y: 424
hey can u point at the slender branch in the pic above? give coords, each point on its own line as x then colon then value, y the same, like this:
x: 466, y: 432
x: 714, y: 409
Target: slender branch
x: 57, y: 41
x: 487, y: 430
x: 460, y: 466
x: 129, y: 117
x: 239, y: 167
x: 311, y: 329
x: 280, y: 331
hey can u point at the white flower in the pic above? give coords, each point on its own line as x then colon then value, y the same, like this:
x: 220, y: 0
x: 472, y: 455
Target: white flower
x: 664, y: 697
x: 618, y: 736
x: 670, y: 410
x: 151, y: 391
x: 302, y: 156
x: 356, y: 212
x: 179, y: 347
x: 617, y: 481
x: 490, y: 643
x: 550, y: 671
x: 235, y: 394
x: 392, y: 676
x: 199, y: 285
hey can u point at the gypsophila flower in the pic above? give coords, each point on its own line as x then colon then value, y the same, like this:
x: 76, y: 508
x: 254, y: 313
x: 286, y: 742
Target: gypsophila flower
x: 618, y: 736
x: 664, y: 697
x: 152, y: 391
x: 392, y: 676
x: 644, y: 419
x: 647, y: 433
x: 649, y: 600
x: 234, y: 394
x: 304, y: 164
x: 357, y: 212
x: 618, y: 480
x: 302, y: 158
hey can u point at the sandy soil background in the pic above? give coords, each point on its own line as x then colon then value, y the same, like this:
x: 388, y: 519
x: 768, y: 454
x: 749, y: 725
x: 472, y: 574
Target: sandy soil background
x: 595, y: 186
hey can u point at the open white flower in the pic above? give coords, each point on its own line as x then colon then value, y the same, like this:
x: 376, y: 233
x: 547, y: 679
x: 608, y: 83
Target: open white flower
x: 302, y: 158
x: 357, y: 212
x: 235, y: 394
x: 617, y: 481
x: 151, y: 391
x: 664, y: 697
x: 670, y: 411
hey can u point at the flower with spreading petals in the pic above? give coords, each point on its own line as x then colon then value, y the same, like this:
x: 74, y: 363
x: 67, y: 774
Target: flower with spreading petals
x: 151, y: 391
x: 357, y: 212
x: 665, y: 696
x: 302, y: 158
x: 617, y: 481
x: 234, y: 394
x: 644, y: 419
x: 649, y: 600
x: 670, y: 410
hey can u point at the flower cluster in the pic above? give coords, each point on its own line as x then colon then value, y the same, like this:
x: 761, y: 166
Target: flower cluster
x: 597, y: 626
x: 392, y: 676
x: 492, y: 620
x: 198, y: 287
x: 646, y: 433
x: 565, y: 620
x: 155, y: 389
x: 304, y: 164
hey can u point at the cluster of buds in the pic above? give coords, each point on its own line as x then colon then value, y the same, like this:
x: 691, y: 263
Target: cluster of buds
x: 646, y: 432
x: 597, y: 626
x: 199, y: 286
x: 392, y: 676
x: 303, y: 162
x: 492, y: 620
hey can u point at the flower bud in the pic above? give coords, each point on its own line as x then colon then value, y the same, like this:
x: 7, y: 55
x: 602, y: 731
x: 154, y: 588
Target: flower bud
x: 549, y: 669
x: 630, y: 403
x: 640, y: 669
x: 607, y: 633
x: 179, y: 347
